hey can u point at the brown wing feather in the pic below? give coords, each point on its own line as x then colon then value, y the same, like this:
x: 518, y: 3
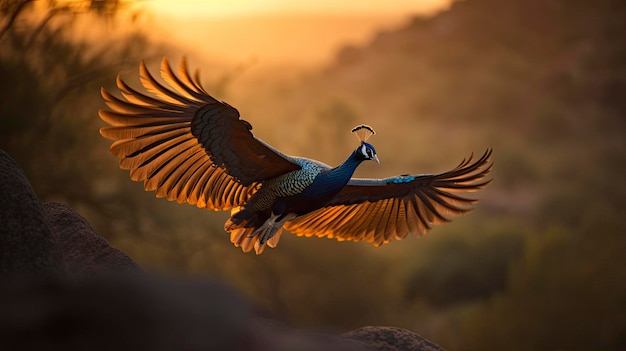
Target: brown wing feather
x: 233, y: 147
x: 386, y: 211
x: 186, y: 145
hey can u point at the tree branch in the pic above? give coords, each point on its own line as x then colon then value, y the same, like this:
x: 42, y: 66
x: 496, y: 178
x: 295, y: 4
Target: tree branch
x: 13, y: 17
x: 53, y: 12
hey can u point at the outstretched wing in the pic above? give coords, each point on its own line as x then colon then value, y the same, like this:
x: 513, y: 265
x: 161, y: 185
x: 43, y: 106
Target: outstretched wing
x: 185, y: 144
x: 380, y: 210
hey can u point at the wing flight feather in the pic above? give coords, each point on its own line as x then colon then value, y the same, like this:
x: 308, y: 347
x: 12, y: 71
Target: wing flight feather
x: 186, y: 145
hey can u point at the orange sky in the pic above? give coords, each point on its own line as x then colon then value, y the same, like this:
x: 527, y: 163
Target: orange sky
x: 203, y: 8
x: 279, y: 31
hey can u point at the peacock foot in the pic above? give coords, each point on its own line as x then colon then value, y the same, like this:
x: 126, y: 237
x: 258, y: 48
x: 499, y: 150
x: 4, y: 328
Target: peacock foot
x: 270, y: 227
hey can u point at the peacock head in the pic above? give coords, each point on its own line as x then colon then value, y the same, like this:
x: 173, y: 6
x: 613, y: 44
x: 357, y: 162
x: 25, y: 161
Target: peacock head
x: 365, y: 151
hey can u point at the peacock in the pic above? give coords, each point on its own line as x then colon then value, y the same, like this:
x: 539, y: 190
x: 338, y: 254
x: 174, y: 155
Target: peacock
x: 190, y: 147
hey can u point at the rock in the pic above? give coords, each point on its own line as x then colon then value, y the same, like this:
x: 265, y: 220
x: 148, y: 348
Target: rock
x: 122, y: 312
x: 391, y: 339
x: 50, y: 238
x: 84, y: 251
x: 28, y: 243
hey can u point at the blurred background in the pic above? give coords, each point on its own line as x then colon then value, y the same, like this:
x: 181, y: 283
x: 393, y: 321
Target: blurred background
x: 539, y: 265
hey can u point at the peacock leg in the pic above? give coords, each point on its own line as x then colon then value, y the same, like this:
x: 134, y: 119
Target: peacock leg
x: 271, y: 226
x: 269, y: 223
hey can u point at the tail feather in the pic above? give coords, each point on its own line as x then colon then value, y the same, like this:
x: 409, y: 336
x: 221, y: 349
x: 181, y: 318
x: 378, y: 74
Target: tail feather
x: 241, y: 238
x: 242, y: 224
x: 273, y: 242
x: 237, y: 236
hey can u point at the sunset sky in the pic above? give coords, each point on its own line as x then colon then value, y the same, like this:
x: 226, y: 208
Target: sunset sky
x: 201, y: 8
x: 279, y: 31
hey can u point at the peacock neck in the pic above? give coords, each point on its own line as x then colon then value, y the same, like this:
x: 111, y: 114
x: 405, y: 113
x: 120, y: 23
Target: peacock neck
x: 330, y: 182
x: 342, y: 173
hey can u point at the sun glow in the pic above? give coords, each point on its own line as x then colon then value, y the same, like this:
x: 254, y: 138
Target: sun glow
x: 279, y: 31
x: 220, y: 8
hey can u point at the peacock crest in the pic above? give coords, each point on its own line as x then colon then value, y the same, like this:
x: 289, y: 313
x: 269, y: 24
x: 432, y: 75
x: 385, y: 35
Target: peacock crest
x: 363, y: 132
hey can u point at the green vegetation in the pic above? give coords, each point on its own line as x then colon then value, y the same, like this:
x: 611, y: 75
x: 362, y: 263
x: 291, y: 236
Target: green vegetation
x: 541, y: 263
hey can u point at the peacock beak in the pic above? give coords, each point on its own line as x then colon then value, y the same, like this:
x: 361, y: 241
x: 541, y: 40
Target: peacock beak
x: 376, y: 159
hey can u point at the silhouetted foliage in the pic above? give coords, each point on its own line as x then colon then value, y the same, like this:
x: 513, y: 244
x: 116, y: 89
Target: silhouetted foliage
x: 464, y: 270
x: 50, y: 89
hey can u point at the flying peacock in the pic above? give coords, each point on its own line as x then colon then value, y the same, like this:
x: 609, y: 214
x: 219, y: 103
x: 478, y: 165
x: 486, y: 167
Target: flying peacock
x: 189, y: 147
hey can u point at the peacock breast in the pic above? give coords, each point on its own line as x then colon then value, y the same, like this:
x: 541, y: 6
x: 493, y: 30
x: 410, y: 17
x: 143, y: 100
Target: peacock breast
x: 289, y: 184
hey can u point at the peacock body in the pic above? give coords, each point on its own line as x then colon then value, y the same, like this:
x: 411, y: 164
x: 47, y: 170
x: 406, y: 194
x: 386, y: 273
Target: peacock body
x: 189, y: 147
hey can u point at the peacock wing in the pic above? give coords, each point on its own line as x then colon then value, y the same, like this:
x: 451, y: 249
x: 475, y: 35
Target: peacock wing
x: 380, y: 210
x: 185, y: 144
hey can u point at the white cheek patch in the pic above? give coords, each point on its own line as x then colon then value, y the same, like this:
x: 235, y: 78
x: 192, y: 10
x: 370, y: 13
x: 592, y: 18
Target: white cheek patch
x: 363, y: 150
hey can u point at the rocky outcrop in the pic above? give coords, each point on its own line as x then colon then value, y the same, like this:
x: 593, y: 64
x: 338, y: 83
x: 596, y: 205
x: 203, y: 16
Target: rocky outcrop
x: 391, y: 339
x: 127, y: 311
x: 84, y: 251
x: 28, y: 243
x: 63, y: 286
x: 48, y: 239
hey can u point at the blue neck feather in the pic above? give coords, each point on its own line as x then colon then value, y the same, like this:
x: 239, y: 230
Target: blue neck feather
x: 330, y: 182
x: 349, y: 165
x: 341, y: 174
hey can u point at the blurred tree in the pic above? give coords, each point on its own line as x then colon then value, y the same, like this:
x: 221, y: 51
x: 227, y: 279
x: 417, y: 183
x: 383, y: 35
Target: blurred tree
x: 50, y: 94
x: 567, y: 292
x: 461, y: 270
